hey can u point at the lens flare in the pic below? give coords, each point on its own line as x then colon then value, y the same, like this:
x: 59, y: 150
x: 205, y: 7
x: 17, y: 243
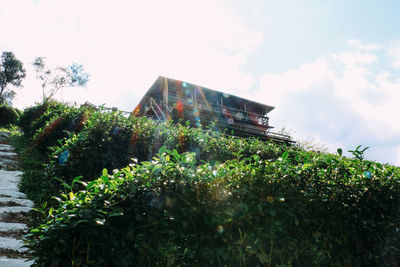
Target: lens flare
x: 115, y: 131
x: 136, y: 111
x: 63, y: 157
x: 179, y: 108
x: 367, y: 174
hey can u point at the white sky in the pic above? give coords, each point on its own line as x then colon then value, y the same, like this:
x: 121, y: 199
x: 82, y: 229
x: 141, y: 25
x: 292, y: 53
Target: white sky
x: 331, y: 70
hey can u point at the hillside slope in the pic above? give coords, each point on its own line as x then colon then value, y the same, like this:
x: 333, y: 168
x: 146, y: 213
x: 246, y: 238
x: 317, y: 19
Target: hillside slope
x: 134, y: 192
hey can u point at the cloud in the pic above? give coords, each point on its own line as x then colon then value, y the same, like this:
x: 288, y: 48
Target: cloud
x: 352, y: 59
x: 125, y: 45
x: 339, y: 99
x: 275, y: 87
x: 394, y: 53
x: 357, y: 44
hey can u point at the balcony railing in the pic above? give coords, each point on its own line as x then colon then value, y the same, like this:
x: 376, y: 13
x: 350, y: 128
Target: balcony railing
x: 237, y: 114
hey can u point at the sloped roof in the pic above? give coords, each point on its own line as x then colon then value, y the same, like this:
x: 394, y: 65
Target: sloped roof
x: 251, y: 105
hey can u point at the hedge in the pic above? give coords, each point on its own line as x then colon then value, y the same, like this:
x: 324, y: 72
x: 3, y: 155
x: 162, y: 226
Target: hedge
x: 198, y: 198
x: 8, y: 115
x: 305, y: 210
x: 78, y: 142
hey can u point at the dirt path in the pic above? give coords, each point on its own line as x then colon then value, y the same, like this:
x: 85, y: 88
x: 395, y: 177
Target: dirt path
x: 13, y: 209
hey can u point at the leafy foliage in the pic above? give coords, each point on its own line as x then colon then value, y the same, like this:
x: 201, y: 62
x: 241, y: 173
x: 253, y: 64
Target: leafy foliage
x: 171, y: 211
x: 8, y: 115
x: 113, y: 140
x: 358, y: 153
x: 11, y: 73
x: 53, y: 80
x: 44, y: 125
x: 199, y: 198
x: 98, y: 140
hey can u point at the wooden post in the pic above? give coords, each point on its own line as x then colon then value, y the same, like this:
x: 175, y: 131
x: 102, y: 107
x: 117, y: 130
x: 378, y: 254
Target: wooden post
x: 165, y: 99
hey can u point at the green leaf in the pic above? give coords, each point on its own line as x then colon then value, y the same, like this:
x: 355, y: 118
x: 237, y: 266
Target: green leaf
x: 340, y: 151
x: 56, y: 198
x: 105, y: 179
x: 90, y: 185
x: 162, y: 150
x: 105, y: 172
x: 285, y: 156
x: 76, y: 179
x: 365, y: 149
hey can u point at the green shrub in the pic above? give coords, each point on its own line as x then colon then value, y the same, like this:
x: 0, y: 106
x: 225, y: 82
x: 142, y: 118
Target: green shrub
x: 302, y: 209
x: 228, y: 202
x: 54, y: 122
x: 29, y: 116
x: 59, y: 126
x: 34, y: 183
x: 91, y: 141
x: 109, y: 140
x: 43, y: 115
x: 8, y: 115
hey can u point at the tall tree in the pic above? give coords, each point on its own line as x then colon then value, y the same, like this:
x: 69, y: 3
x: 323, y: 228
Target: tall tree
x: 52, y: 80
x: 11, y: 73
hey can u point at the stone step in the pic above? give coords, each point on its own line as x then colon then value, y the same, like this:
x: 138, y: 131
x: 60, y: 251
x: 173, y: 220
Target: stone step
x: 12, y: 243
x: 4, y: 136
x: 14, y: 218
x: 11, y: 201
x: 12, y: 227
x: 8, y: 155
x: 18, y: 234
x: 12, y: 193
x: 9, y: 165
x: 9, y: 179
x: 14, y: 210
x: 8, y: 158
x: 8, y: 185
x: 6, y: 262
x: 6, y: 148
x: 10, y: 175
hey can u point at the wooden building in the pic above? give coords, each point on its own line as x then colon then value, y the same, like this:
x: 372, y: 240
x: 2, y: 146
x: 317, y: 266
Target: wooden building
x: 177, y: 100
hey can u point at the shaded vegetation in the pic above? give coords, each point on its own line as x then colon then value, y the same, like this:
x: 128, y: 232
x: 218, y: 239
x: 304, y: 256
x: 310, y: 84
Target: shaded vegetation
x: 8, y: 116
x: 198, y: 198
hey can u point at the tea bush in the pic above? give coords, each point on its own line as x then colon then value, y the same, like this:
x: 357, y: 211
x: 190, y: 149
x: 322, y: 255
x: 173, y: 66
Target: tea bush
x: 78, y: 142
x: 30, y: 115
x: 302, y: 209
x: 204, y: 199
x: 39, y: 121
x: 110, y: 140
x: 8, y: 115
x: 44, y: 126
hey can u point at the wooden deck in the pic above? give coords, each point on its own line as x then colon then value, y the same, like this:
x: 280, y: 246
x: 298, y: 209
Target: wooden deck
x: 170, y: 99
